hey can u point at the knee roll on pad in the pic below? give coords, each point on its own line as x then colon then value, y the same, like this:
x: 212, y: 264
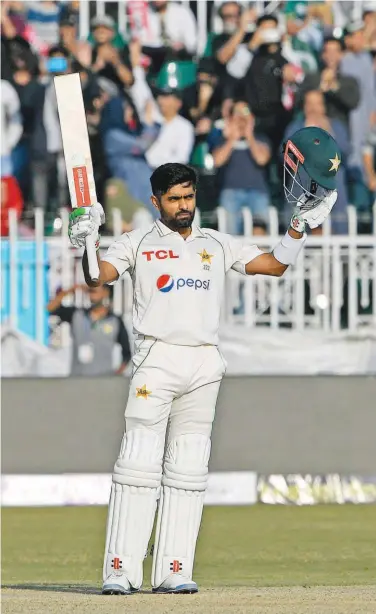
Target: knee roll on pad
x: 135, y: 486
x: 186, y: 462
x: 180, y: 506
x: 140, y: 459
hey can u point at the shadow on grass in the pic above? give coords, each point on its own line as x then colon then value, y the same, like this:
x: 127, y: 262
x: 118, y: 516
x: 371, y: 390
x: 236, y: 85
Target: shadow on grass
x: 80, y: 589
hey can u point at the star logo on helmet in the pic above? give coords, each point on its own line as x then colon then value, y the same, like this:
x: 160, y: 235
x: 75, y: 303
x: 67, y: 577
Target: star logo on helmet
x: 335, y: 163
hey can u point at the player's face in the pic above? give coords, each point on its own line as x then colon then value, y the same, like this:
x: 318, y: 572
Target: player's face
x: 177, y: 206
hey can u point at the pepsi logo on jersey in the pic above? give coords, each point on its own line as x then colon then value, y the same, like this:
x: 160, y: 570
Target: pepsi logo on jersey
x: 160, y: 254
x: 165, y: 283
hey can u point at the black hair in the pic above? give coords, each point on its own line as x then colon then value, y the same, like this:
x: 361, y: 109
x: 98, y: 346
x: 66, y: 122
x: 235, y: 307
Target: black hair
x: 170, y: 174
x: 240, y: 8
x: 58, y: 49
x: 266, y: 17
x: 333, y: 39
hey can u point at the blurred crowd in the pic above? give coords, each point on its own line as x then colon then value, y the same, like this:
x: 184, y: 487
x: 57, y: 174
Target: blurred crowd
x: 150, y: 98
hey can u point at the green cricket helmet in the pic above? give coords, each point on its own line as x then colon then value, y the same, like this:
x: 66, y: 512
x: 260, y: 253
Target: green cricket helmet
x: 311, y: 162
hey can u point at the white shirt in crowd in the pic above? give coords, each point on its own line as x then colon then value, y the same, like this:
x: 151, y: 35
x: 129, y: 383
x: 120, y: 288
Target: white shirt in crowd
x: 178, y: 284
x: 179, y: 24
x: 11, y: 119
x: 173, y: 144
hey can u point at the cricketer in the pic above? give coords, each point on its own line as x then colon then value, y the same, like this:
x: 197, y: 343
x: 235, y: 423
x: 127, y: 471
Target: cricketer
x: 178, y: 272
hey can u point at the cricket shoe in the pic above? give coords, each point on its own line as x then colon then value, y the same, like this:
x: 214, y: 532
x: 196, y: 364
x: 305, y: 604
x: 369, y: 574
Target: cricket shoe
x: 176, y: 583
x: 118, y: 584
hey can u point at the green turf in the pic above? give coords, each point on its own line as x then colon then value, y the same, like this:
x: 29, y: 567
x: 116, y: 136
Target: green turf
x: 238, y: 546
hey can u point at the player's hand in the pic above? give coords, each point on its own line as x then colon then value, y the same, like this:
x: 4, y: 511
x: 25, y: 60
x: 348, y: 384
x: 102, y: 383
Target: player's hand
x: 314, y: 216
x: 83, y: 222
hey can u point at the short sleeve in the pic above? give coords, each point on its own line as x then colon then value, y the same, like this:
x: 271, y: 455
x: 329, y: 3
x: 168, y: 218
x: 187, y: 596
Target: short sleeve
x: 238, y: 253
x: 120, y: 255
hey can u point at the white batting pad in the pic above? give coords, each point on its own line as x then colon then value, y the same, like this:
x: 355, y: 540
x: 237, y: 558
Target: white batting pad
x: 135, y: 487
x: 180, y: 506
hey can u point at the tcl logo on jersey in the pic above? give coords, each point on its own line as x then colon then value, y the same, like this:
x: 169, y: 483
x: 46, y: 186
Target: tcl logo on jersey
x: 160, y: 254
x: 165, y: 283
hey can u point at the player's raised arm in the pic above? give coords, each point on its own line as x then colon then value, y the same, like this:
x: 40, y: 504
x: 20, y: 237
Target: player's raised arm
x: 86, y: 221
x: 311, y: 161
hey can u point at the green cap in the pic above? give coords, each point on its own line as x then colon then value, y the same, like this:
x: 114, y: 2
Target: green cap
x: 319, y: 155
x: 175, y: 76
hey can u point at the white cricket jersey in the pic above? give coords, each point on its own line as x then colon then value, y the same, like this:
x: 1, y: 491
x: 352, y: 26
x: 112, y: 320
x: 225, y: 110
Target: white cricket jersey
x: 178, y: 283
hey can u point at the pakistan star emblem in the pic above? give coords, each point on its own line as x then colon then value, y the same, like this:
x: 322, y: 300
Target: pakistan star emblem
x: 205, y: 257
x: 142, y: 392
x: 335, y: 163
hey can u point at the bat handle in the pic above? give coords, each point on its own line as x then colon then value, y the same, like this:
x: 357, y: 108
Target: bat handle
x: 92, y: 258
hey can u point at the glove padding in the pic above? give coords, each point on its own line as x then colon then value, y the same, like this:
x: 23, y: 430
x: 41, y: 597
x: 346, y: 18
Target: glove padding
x: 83, y: 222
x: 314, y: 216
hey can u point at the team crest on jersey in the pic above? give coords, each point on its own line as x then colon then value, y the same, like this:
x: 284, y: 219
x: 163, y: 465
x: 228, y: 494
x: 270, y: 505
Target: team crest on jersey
x: 143, y: 392
x: 205, y: 259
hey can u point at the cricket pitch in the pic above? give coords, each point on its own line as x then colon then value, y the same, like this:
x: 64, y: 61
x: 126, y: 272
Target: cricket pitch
x: 259, y: 559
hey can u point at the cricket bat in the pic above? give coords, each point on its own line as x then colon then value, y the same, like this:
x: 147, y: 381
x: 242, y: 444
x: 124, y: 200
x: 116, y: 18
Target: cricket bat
x: 77, y: 153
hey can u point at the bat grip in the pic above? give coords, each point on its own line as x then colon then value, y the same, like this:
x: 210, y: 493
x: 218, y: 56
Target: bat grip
x: 92, y: 258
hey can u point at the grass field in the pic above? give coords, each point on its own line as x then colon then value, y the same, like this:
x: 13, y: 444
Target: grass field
x: 257, y: 559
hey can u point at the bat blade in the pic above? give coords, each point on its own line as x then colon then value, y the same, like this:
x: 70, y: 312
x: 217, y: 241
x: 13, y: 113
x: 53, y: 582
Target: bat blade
x: 75, y: 139
x: 77, y: 152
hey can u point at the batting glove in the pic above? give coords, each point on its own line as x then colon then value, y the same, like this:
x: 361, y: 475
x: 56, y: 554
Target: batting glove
x: 315, y: 215
x: 83, y: 222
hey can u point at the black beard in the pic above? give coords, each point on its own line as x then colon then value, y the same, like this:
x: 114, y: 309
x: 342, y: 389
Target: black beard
x: 174, y: 223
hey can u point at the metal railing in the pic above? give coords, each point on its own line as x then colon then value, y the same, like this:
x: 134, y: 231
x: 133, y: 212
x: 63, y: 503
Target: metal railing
x: 331, y: 288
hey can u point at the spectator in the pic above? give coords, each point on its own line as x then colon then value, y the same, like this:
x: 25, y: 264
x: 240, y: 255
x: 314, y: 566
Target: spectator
x: 231, y: 48
x: 369, y: 18
x: 314, y: 114
x: 11, y: 126
x: 341, y: 92
x: 31, y: 95
x: 357, y: 62
x: 108, y: 61
x: 126, y: 140
x: 68, y: 35
x: 296, y: 48
x: 264, y: 81
x: 369, y: 160
x: 303, y: 25
x: 176, y: 137
x: 241, y: 152
x: 16, y: 51
x: 94, y: 331
x: 43, y: 18
x: 49, y: 186
x: 140, y: 91
x: 168, y: 32
x: 204, y: 97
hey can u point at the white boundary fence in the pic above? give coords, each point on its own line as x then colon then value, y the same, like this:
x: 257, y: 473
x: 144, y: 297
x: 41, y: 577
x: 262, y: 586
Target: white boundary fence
x: 333, y: 274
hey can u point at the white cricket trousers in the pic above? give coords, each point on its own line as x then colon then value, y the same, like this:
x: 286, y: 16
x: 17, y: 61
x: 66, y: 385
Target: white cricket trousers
x: 164, y: 454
